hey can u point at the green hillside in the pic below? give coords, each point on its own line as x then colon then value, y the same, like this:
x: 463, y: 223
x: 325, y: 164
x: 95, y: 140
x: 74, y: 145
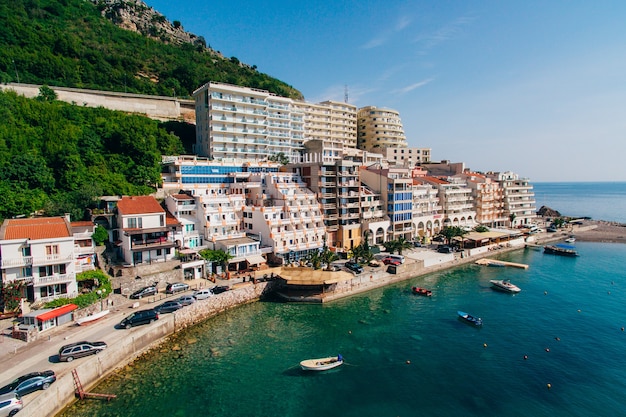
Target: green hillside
x: 57, y: 158
x: 69, y: 43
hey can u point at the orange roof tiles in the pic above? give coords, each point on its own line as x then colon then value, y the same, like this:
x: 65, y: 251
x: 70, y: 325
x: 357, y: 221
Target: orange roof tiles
x: 35, y: 228
x: 182, y: 197
x: 139, y: 205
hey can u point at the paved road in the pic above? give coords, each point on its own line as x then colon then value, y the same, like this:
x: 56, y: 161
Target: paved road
x: 19, y: 358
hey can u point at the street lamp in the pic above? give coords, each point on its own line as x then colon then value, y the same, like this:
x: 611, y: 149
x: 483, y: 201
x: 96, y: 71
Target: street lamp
x: 100, y: 294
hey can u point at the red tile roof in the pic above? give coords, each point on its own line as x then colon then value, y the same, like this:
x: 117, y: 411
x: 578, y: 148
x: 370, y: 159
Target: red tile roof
x: 144, y: 204
x: 85, y: 223
x: 182, y: 197
x: 35, y: 228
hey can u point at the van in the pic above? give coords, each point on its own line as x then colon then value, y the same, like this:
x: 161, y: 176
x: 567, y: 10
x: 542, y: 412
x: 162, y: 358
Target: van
x: 398, y: 258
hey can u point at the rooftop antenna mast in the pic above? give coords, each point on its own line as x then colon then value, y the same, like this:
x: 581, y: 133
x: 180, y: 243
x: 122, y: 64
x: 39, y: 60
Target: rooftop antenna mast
x: 345, y: 93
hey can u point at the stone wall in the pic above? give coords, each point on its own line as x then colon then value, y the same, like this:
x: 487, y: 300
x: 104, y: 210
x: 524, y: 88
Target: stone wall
x: 91, y: 369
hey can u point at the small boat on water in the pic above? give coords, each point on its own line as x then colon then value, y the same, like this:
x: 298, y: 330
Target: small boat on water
x: 422, y: 291
x: 468, y: 318
x: 560, y: 249
x: 504, y: 285
x: 91, y: 318
x: 570, y: 239
x: 534, y: 246
x: 322, y: 364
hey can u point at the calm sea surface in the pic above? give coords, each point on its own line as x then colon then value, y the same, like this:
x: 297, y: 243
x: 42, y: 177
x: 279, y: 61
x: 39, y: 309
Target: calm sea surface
x: 598, y: 200
x: 406, y: 355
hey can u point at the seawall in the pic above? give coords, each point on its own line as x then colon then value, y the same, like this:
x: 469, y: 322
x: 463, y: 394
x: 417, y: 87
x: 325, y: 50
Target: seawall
x: 140, y: 339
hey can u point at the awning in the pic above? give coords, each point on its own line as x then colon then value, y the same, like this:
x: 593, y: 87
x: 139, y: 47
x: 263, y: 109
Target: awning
x: 255, y: 259
x: 57, y: 312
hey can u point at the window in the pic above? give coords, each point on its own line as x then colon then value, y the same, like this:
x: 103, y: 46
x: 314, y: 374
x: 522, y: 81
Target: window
x: 52, y: 250
x: 26, y: 251
x: 134, y: 223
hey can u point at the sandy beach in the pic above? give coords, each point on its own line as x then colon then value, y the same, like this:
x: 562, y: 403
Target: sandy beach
x: 600, y: 231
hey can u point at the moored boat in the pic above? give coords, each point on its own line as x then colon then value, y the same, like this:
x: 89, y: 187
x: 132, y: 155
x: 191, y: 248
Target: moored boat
x: 468, y: 318
x: 322, y: 364
x: 504, y: 285
x: 422, y: 291
x: 559, y: 249
x: 93, y: 317
x: 570, y: 239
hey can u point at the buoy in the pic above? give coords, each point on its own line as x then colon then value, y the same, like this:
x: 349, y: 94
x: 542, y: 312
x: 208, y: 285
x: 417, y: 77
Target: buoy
x: 557, y: 339
x: 349, y: 331
x: 545, y: 293
x: 408, y: 362
x: 547, y: 349
x: 549, y: 386
x: 579, y: 311
x: 525, y: 357
x: 622, y: 329
x: 609, y: 292
x: 484, y: 345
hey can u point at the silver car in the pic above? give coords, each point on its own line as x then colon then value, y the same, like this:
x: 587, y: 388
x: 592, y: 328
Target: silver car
x: 203, y: 294
x: 186, y: 300
x: 10, y: 404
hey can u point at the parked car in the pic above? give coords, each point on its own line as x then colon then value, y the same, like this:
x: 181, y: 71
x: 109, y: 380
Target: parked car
x: 373, y: 264
x: 28, y: 383
x: 417, y: 244
x: 390, y: 261
x: 143, y: 292
x: 176, y: 287
x: 10, y: 404
x: 551, y: 229
x: 445, y: 249
x: 354, y: 267
x: 203, y: 294
x: 139, y: 317
x: 72, y: 351
x: 218, y: 289
x: 168, y: 307
x: 186, y: 300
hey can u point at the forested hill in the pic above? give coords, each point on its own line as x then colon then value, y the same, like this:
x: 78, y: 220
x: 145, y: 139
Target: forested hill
x: 74, y: 43
x: 58, y: 158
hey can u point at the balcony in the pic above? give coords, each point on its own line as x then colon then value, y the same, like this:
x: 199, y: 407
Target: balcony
x: 13, y: 263
x: 52, y: 259
x: 52, y: 279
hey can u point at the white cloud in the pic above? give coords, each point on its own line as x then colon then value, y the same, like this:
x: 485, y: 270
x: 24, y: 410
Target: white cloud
x: 386, y: 35
x: 445, y: 33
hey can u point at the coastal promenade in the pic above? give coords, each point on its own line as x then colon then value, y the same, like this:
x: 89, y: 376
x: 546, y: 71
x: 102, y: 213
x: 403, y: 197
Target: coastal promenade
x: 17, y: 358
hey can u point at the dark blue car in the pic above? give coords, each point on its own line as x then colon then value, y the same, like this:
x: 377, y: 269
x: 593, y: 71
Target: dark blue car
x: 30, y: 382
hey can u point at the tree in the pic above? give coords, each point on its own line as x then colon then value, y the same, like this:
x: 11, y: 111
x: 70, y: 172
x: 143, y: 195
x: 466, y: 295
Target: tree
x: 280, y: 157
x: 450, y: 232
x: 402, y: 244
x: 512, y: 218
x: 217, y: 256
x: 100, y: 235
x: 46, y: 94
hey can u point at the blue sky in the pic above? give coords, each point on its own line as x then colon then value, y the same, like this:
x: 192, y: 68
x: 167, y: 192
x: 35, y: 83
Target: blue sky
x: 533, y: 87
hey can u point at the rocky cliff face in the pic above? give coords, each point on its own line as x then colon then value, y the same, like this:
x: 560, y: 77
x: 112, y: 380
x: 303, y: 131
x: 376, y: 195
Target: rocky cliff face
x: 137, y: 16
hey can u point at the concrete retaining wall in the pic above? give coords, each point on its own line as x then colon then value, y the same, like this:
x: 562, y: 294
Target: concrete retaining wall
x: 94, y: 368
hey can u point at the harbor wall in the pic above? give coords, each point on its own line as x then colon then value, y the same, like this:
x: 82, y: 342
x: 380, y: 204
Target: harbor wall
x: 140, y: 339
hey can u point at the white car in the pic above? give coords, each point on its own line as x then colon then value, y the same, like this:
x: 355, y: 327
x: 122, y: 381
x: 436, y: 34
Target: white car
x: 203, y: 294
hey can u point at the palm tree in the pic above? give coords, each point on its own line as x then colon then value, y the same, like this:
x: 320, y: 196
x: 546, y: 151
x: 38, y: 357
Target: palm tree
x: 402, y: 244
x: 512, y: 217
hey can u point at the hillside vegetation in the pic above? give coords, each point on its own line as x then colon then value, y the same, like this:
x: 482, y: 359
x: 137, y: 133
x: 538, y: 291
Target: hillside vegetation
x: 69, y: 43
x: 57, y: 158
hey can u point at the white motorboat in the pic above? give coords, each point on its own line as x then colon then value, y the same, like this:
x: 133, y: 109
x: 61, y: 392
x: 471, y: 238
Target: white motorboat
x: 504, y: 285
x: 322, y: 364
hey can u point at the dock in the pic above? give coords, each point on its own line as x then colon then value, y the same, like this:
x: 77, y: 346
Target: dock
x: 495, y: 262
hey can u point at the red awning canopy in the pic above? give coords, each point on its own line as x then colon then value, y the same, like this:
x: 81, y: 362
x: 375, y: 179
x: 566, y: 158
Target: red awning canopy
x: 57, y: 312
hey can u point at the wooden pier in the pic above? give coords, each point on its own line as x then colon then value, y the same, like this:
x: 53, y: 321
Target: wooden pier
x: 80, y: 392
x: 495, y: 262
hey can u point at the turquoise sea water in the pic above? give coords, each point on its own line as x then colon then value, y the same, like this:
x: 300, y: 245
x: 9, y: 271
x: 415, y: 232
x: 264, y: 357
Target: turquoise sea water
x: 406, y: 355
x: 598, y: 200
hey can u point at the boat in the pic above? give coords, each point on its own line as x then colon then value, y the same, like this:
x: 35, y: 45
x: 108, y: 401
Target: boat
x: 504, y: 285
x: 496, y: 264
x: 322, y: 364
x: 422, y: 291
x: 570, y: 239
x: 560, y: 249
x: 93, y: 317
x: 468, y: 318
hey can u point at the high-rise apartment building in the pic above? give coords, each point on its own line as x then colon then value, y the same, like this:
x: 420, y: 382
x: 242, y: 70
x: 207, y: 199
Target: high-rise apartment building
x: 378, y: 128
